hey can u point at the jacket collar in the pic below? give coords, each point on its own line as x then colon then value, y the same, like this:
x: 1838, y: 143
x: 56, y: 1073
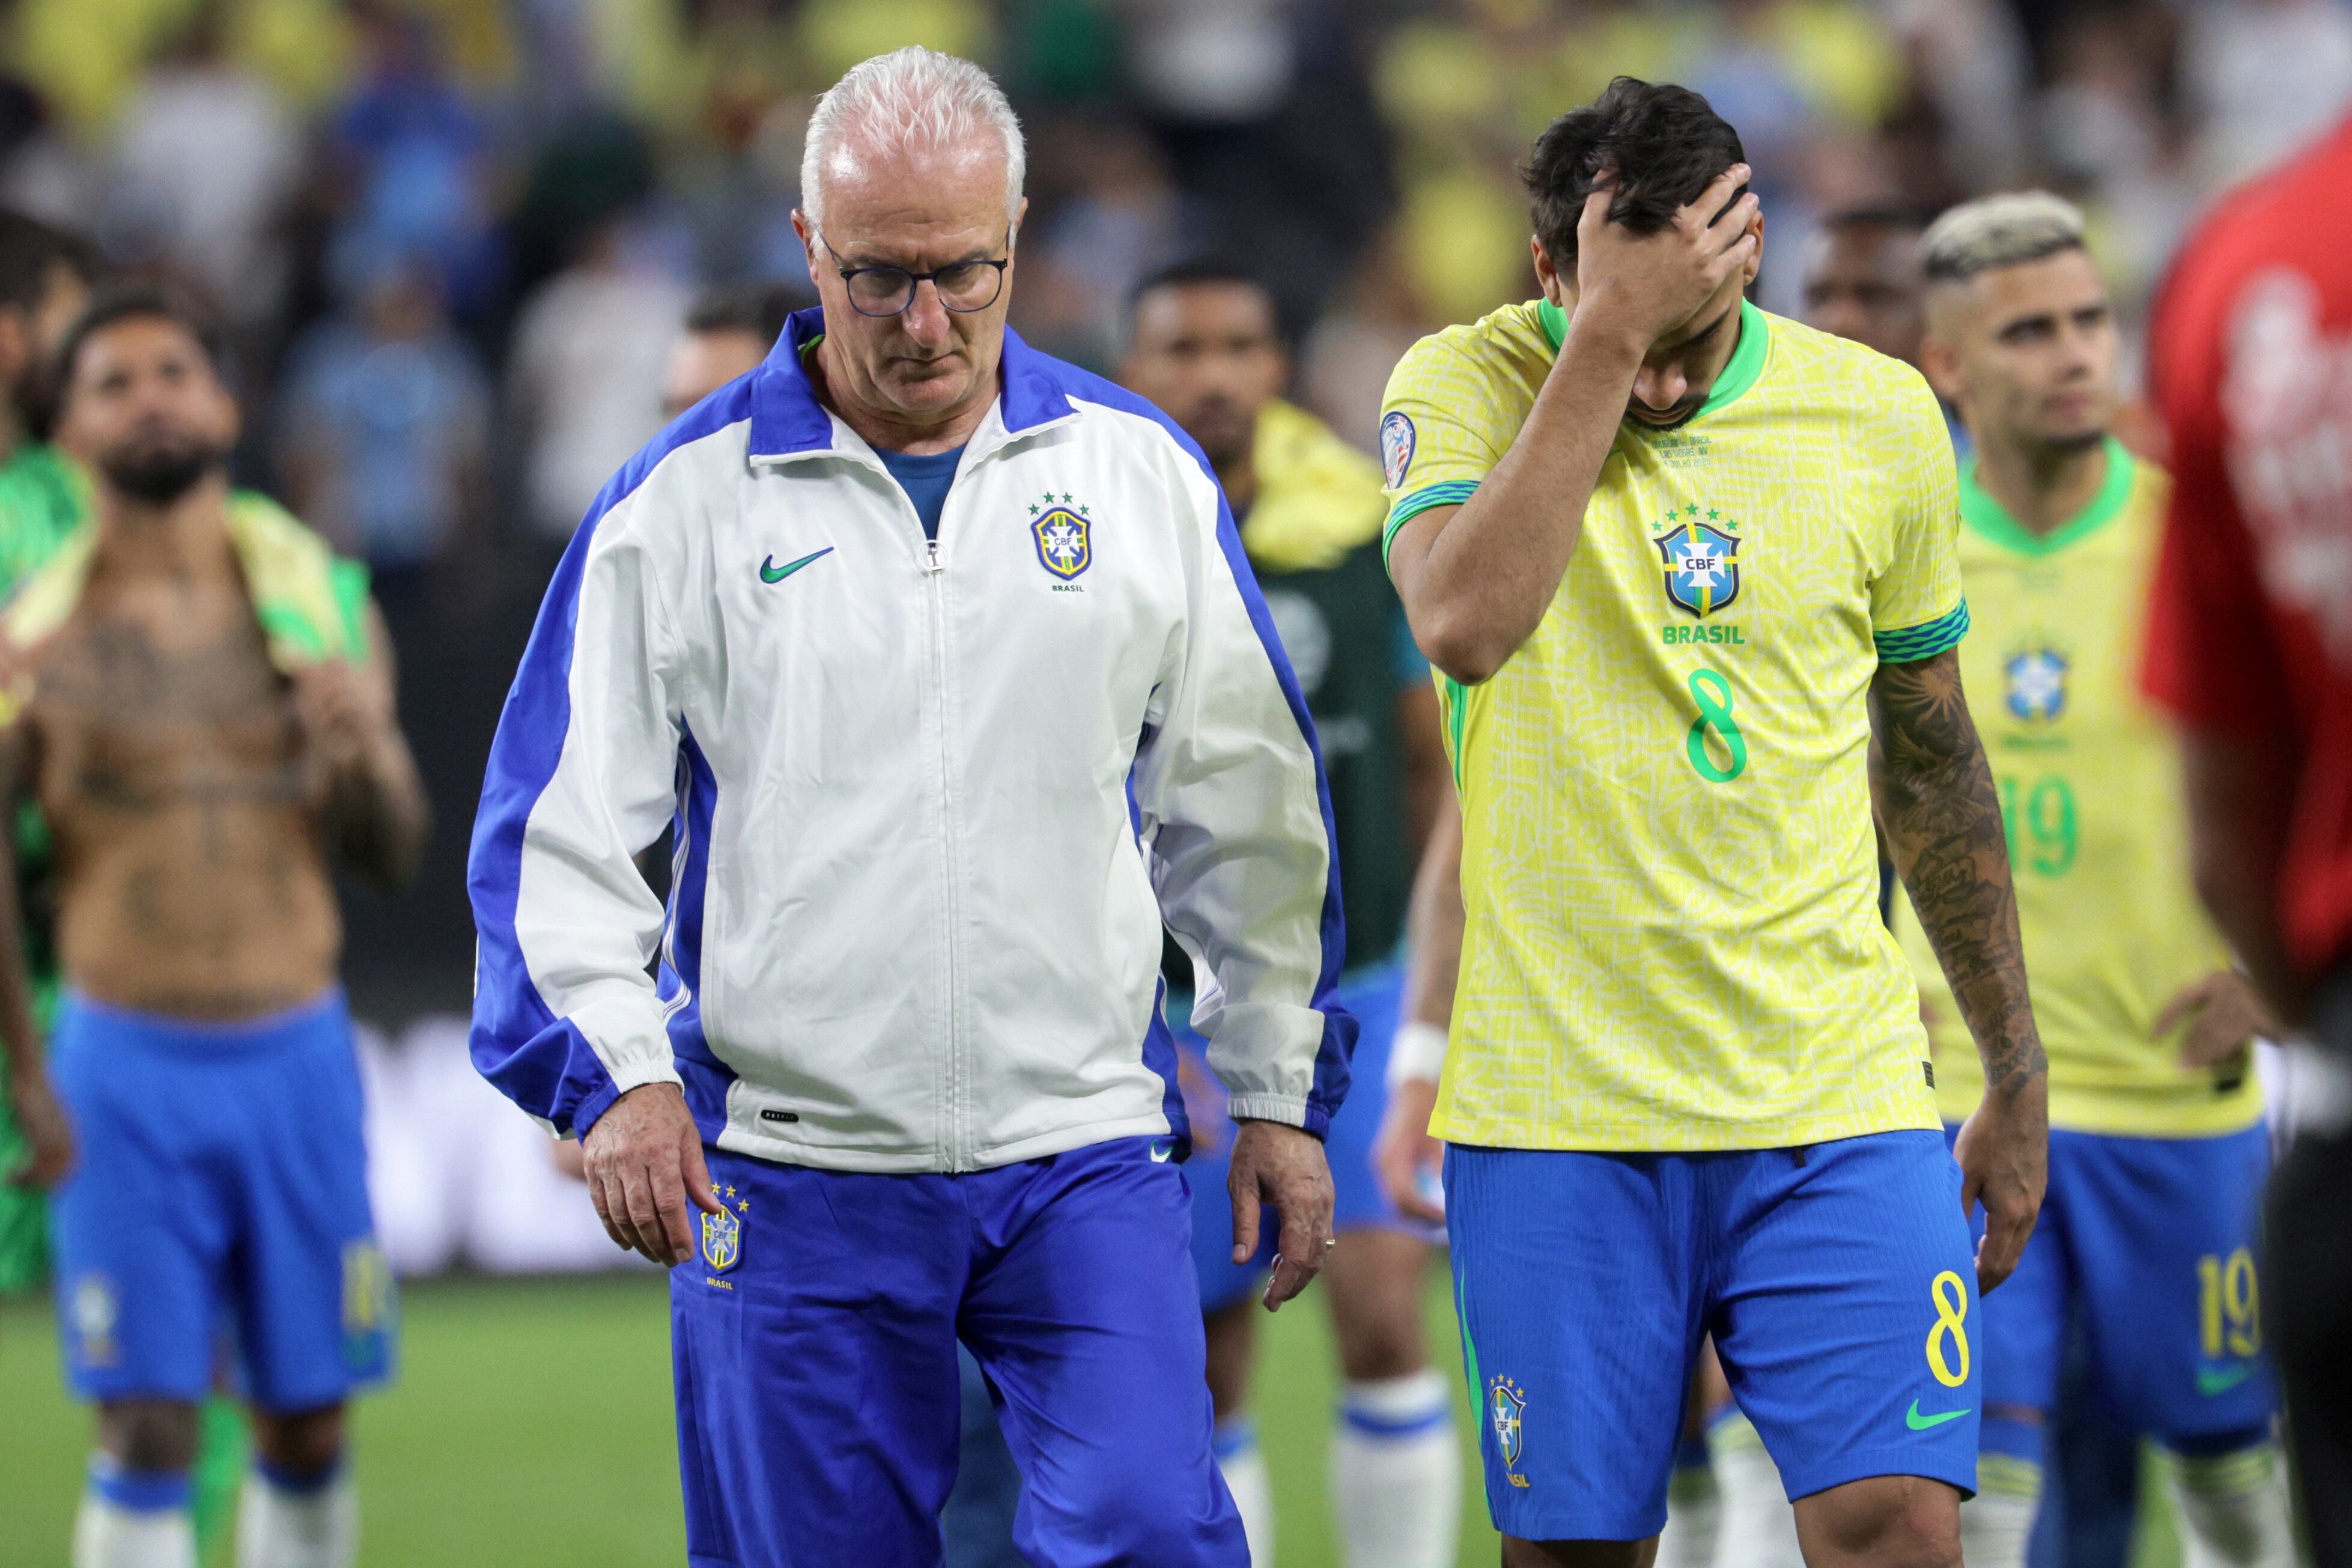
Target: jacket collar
x: 788, y: 422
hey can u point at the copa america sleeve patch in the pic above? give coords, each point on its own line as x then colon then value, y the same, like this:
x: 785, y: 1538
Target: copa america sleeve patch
x: 1396, y: 449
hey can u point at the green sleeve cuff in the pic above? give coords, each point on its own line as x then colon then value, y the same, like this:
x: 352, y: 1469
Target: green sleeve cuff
x: 1926, y: 640
x: 1452, y: 492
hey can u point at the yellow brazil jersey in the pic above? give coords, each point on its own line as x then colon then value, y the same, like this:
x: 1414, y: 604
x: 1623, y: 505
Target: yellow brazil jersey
x: 2098, y: 844
x: 1673, y: 940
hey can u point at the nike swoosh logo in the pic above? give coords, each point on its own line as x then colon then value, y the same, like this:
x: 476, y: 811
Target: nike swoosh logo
x: 1160, y: 1153
x: 2212, y: 1380
x: 1918, y: 1423
x: 771, y: 573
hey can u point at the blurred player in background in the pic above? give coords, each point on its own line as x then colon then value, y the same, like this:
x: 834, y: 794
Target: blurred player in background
x: 44, y: 279
x: 46, y: 274
x: 1687, y: 1062
x: 2249, y: 644
x: 2157, y: 1151
x: 729, y: 331
x: 200, y: 702
x: 1862, y: 281
x: 1202, y: 343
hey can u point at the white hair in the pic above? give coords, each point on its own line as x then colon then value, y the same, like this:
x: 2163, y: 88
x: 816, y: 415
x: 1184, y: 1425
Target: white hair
x: 912, y: 98
x: 2006, y: 230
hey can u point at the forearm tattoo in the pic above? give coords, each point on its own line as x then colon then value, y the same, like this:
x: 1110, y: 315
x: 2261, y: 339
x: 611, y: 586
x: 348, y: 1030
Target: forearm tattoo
x: 1942, y: 819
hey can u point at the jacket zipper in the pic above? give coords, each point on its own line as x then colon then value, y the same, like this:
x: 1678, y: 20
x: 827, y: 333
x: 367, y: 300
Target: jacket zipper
x: 934, y: 570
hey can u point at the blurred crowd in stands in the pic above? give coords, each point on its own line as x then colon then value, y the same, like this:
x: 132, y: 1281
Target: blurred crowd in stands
x: 452, y: 240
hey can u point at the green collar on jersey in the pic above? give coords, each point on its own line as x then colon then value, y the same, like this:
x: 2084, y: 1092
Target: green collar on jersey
x: 1746, y: 364
x: 1989, y: 517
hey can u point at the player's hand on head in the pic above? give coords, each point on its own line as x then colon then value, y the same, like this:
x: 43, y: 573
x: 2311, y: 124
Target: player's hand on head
x: 1282, y: 1168
x: 643, y: 1161
x: 2225, y: 1015
x: 1646, y: 285
x: 2003, y: 1150
x: 1404, y: 1156
x: 49, y: 1135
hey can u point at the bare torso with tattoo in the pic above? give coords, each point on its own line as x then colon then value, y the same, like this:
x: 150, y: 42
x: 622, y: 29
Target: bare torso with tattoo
x: 165, y: 751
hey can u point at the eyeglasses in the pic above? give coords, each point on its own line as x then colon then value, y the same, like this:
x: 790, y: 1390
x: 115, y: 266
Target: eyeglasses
x: 963, y: 286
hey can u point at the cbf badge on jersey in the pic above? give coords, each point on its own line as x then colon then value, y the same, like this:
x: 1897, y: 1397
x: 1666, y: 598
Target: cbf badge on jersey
x: 2035, y: 682
x: 1507, y: 1407
x: 1701, y: 563
x: 1064, y: 535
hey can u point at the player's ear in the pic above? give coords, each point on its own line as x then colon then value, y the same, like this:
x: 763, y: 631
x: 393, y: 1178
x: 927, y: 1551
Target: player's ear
x: 16, y: 344
x: 1942, y: 368
x: 1755, y: 262
x: 227, y: 419
x: 1548, y: 276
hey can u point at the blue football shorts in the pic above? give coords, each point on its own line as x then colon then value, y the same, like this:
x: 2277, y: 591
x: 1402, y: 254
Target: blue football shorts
x: 221, y: 1188
x: 1374, y: 994
x: 1837, y: 1279
x: 2154, y: 1241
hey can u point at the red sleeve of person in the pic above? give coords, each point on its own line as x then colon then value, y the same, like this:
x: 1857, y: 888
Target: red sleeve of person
x: 2250, y: 630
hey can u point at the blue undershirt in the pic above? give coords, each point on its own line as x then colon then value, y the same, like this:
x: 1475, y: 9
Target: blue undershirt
x: 925, y: 480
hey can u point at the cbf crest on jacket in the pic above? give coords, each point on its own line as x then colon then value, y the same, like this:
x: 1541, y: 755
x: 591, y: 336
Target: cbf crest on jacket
x: 931, y: 803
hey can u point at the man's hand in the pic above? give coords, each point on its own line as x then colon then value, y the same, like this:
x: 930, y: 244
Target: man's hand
x: 1404, y: 1156
x: 2003, y: 1152
x: 48, y: 1134
x: 1644, y: 286
x: 1284, y: 1167
x: 2224, y: 1016
x: 644, y: 1161
x: 360, y: 779
x: 343, y: 709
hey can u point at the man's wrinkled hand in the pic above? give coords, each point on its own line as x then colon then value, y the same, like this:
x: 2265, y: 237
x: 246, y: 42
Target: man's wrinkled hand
x: 49, y: 1135
x: 2224, y: 1016
x: 1284, y: 1168
x: 2003, y: 1152
x: 1646, y: 285
x: 1404, y: 1156
x: 643, y: 1161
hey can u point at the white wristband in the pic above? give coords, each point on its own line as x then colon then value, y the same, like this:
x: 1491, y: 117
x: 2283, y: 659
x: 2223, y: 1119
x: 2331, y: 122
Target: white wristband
x: 1418, y: 1052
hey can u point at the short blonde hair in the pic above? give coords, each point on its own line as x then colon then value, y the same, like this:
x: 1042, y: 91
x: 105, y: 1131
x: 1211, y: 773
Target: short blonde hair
x: 2006, y: 230
x: 912, y: 97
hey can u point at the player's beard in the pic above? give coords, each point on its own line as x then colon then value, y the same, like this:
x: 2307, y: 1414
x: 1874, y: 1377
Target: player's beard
x: 1675, y: 418
x: 159, y: 468
x: 1223, y: 427
x: 2074, y: 441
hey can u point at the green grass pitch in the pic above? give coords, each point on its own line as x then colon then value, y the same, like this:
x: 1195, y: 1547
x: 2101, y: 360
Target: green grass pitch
x: 531, y: 1426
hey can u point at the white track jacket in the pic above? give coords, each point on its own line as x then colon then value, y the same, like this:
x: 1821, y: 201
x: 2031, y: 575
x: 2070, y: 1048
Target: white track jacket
x: 931, y: 803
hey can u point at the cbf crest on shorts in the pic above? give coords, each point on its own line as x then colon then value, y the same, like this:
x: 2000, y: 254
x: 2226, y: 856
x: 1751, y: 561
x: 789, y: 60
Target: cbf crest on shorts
x: 1702, y: 563
x: 1506, y: 1406
x: 722, y: 1240
x: 1064, y: 535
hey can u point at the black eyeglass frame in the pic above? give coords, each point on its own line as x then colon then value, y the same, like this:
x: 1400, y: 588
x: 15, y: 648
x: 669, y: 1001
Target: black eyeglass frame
x: 914, y: 280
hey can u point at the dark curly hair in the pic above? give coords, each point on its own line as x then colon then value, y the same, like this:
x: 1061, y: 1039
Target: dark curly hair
x: 1664, y: 143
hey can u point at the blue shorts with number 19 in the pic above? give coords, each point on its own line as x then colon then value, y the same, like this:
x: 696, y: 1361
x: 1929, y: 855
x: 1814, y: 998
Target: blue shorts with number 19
x: 1836, y: 1279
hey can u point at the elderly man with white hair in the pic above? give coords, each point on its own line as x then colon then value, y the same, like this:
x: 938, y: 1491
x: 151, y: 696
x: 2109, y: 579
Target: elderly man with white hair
x: 944, y: 660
